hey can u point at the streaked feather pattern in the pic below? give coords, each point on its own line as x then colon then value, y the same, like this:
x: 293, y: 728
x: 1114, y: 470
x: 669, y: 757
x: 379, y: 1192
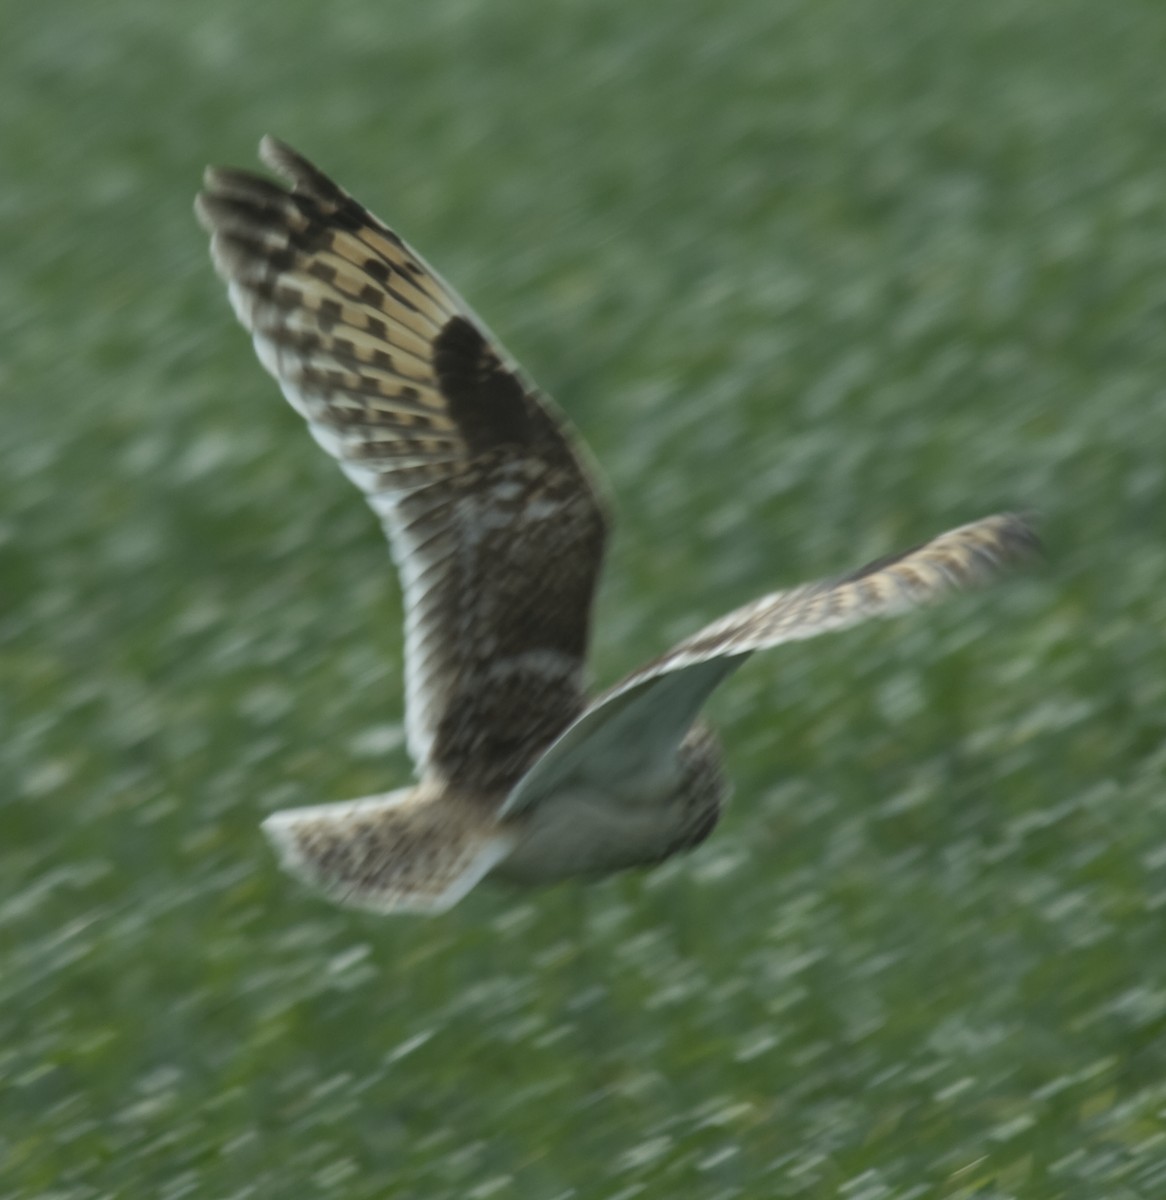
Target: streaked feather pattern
x: 959, y: 559
x: 498, y: 533
x: 642, y: 720
x: 407, y: 851
x: 495, y: 526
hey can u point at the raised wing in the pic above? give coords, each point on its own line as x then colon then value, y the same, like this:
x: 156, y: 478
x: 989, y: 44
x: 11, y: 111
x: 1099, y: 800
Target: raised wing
x: 492, y: 516
x: 631, y: 733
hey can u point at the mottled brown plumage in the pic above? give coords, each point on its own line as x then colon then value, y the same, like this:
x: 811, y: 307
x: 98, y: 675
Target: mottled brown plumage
x: 498, y: 532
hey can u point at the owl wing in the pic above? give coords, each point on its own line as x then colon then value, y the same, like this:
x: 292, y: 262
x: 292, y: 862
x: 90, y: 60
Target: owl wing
x: 490, y: 508
x: 631, y: 733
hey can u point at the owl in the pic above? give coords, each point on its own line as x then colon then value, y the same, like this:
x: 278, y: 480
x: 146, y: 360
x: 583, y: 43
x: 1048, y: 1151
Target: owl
x: 497, y: 527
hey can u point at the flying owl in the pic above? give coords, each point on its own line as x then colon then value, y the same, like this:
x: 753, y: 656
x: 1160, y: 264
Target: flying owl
x: 498, y: 529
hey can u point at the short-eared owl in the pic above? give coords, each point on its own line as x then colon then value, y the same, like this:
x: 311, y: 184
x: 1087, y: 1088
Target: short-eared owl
x: 498, y: 534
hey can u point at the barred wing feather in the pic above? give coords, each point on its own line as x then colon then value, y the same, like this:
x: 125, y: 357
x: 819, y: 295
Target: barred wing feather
x: 492, y: 515
x: 631, y: 733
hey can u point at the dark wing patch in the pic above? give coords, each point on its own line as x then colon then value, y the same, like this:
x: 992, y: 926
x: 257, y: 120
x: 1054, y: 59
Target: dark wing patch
x: 488, y: 403
x: 491, y: 511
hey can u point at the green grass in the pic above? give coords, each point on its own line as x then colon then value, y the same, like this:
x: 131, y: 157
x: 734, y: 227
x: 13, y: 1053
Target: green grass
x: 814, y: 279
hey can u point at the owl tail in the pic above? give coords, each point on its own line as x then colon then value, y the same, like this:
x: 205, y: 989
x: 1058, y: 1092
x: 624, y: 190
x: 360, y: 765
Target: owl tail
x: 407, y: 851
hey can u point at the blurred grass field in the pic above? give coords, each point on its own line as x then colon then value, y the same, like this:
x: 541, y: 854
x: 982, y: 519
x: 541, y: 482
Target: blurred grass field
x: 814, y: 280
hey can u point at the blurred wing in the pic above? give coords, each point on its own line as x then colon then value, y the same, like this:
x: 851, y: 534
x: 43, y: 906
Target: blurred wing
x: 632, y: 732
x: 491, y: 513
